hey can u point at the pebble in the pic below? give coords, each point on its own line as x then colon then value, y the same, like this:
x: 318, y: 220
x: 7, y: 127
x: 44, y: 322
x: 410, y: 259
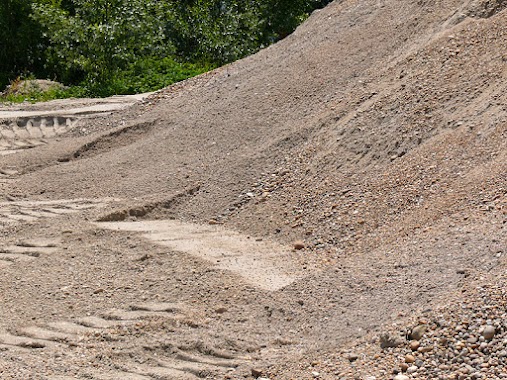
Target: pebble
x: 390, y: 341
x: 488, y: 332
x: 418, y: 332
x: 414, y: 345
x: 298, y: 245
x: 461, y: 341
x: 256, y: 373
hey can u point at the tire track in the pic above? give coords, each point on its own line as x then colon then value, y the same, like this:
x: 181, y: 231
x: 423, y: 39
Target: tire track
x: 27, y: 251
x: 8, y: 176
x: 15, y: 212
x: 76, y: 335
x: 30, y: 132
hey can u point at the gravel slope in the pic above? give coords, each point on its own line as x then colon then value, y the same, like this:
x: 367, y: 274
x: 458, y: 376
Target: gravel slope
x: 375, y: 137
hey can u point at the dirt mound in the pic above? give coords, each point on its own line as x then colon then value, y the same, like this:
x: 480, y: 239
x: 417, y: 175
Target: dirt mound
x: 27, y: 87
x: 376, y: 134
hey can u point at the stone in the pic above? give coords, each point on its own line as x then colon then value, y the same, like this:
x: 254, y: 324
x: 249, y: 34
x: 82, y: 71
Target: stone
x: 257, y: 373
x: 401, y: 377
x: 299, y: 245
x: 409, y: 358
x: 388, y: 341
x: 489, y: 332
x: 418, y: 332
x: 414, y: 345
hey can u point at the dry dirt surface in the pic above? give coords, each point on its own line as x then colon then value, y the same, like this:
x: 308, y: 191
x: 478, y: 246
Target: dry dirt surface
x: 333, y: 207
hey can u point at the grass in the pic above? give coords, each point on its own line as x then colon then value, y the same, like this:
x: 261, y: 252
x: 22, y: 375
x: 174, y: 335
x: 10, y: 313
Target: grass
x: 44, y: 96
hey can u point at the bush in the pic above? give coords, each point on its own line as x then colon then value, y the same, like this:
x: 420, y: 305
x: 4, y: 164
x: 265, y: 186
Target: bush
x: 150, y: 74
x: 101, y: 37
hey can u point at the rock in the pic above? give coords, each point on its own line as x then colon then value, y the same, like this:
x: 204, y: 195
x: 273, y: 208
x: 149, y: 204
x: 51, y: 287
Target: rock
x: 418, y: 332
x: 412, y: 369
x: 352, y: 357
x: 387, y: 341
x: 257, y: 373
x: 401, y: 377
x: 404, y: 367
x: 489, y: 332
x: 414, y: 345
x: 298, y: 245
x: 221, y: 310
x: 409, y: 359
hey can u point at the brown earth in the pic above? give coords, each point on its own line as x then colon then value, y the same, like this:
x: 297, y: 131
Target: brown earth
x: 157, y: 242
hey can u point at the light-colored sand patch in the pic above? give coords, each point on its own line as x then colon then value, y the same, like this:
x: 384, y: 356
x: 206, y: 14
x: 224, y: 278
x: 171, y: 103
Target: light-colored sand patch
x: 264, y: 264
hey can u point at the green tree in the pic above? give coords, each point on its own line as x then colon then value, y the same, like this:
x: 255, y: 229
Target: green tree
x: 95, y: 38
x: 217, y: 31
x: 20, y: 41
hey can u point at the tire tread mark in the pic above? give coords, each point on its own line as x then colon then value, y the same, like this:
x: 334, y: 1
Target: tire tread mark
x: 27, y: 133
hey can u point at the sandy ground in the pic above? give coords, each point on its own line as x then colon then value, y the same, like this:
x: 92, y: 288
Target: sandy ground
x: 331, y: 207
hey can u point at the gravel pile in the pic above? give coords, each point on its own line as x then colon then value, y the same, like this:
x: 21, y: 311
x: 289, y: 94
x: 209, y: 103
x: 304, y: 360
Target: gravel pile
x: 467, y: 340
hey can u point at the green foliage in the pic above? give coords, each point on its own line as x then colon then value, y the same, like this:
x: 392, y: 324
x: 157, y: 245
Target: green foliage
x: 20, y: 42
x: 218, y: 31
x: 150, y: 74
x: 102, y: 37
